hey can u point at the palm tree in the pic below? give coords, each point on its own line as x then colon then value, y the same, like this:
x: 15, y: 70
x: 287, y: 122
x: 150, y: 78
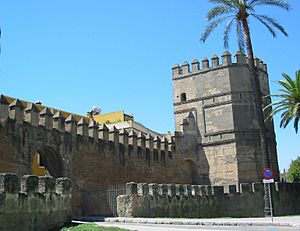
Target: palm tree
x: 289, y: 103
x: 237, y: 12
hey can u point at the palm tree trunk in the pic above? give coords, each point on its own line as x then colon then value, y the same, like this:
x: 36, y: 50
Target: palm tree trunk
x: 257, y: 95
x: 258, y: 109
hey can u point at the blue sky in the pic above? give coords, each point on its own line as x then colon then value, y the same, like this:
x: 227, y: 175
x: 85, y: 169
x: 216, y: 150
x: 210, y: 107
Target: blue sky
x: 118, y: 55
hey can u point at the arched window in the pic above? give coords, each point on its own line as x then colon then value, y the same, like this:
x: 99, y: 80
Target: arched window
x: 183, y: 97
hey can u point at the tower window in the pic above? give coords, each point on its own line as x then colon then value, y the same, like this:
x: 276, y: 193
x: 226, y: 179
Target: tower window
x: 183, y: 97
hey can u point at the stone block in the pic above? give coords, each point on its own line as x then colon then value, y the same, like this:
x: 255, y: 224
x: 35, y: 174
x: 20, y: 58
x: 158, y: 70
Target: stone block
x: 217, y: 190
x: 153, y: 190
x: 208, y: 190
x: 171, y: 190
x: 162, y: 189
x: 203, y: 191
x: 46, y: 184
x: 232, y: 189
x: 245, y: 188
x: 195, y: 190
x: 29, y: 184
x: 187, y: 190
x: 179, y: 189
x: 257, y: 187
x: 9, y: 183
x: 143, y: 189
x: 63, y: 185
x: 131, y: 188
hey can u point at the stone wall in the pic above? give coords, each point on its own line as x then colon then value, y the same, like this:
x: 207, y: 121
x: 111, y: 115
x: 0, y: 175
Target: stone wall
x: 34, y: 203
x: 91, y: 155
x: 201, y: 201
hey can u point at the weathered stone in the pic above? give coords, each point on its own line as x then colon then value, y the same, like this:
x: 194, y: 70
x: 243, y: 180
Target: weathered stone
x: 32, y: 209
x: 9, y: 183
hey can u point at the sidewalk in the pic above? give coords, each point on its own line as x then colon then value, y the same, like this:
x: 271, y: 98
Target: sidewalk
x: 293, y: 221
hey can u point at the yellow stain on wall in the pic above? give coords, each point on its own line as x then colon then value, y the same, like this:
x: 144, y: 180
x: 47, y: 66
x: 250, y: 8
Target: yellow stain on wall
x: 36, y: 168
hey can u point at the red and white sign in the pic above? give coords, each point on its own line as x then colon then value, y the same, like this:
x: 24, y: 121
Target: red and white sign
x: 267, y: 173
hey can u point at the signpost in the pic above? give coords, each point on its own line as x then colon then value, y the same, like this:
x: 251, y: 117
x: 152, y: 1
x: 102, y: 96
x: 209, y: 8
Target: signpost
x: 268, y: 178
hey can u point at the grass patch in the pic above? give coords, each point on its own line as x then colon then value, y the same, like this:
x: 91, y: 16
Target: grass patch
x: 91, y: 227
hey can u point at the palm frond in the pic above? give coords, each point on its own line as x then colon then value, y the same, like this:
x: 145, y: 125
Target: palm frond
x: 277, y: 104
x: 223, y: 2
x: 286, y: 117
x: 227, y: 32
x: 210, y: 27
x: 262, y: 20
x: 274, y: 23
x: 287, y: 97
x: 240, y: 36
x: 274, y: 111
x: 288, y: 79
x: 296, y: 121
x: 279, y: 3
x: 284, y: 91
x: 297, y: 83
x: 217, y: 11
x: 288, y: 84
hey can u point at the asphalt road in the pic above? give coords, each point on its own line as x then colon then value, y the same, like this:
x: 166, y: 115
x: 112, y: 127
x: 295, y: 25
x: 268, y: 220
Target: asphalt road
x: 164, y: 227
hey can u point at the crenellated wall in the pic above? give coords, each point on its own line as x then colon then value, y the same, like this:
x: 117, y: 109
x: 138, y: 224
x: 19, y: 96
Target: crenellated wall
x: 218, y: 96
x: 240, y: 59
x: 203, y: 201
x: 32, y: 203
x: 216, y: 139
x: 91, y: 155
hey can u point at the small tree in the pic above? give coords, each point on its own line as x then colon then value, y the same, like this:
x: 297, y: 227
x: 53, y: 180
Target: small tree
x: 289, y: 103
x: 293, y: 173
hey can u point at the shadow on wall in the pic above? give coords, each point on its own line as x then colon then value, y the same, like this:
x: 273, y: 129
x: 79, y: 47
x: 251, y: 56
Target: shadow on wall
x: 199, y: 172
x: 188, y: 143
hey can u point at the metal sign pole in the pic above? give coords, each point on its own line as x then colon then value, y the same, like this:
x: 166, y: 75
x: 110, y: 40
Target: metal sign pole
x: 270, y: 199
x: 268, y: 174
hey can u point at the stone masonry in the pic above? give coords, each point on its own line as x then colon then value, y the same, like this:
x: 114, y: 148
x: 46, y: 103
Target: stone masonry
x: 32, y: 203
x: 205, y: 201
x: 215, y: 103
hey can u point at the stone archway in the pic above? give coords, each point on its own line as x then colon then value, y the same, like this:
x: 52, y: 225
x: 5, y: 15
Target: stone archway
x: 47, y: 162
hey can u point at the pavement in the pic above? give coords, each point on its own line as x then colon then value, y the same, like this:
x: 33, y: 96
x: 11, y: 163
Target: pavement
x: 284, y: 221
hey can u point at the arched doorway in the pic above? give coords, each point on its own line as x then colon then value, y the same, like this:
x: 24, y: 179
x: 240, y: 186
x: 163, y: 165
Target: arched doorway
x: 189, y: 167
x: 46, y: 162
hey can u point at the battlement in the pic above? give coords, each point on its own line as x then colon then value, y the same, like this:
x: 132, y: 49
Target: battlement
x: 12, y: 184
x: 184, y: 190
x: 34, y: 203
x: 171, y: 190
x: 194, y: 68
x: 177, y: 200
x: 22, y: 112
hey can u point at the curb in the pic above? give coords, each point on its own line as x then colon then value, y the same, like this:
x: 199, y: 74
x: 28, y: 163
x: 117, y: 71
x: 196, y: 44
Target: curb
x: 200, y: 223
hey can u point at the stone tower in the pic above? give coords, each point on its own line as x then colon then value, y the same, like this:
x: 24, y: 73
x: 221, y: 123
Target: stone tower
x: 215, y: 102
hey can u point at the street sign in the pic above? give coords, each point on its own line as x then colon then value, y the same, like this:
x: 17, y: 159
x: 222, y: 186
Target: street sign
x: 267, y: 173
x: 268, y: 181
x: 268, y: 177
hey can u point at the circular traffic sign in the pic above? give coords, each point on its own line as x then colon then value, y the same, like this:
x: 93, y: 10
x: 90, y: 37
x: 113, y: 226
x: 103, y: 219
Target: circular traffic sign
x: 267, y: 173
